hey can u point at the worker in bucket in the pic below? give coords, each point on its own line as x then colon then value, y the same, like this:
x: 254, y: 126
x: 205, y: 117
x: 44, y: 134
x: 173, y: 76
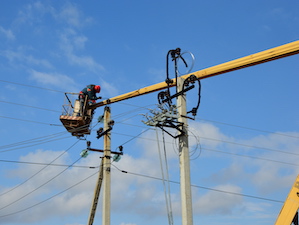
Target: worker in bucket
x: 90, y: 91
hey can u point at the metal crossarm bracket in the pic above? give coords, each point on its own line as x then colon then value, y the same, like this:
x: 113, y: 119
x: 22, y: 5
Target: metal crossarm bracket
x: 165, y: 118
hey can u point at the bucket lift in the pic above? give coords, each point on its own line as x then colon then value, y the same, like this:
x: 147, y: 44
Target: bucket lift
x: 76, y: 118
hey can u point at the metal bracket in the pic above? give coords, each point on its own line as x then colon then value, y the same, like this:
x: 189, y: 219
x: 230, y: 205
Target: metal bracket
x: 165, y: 118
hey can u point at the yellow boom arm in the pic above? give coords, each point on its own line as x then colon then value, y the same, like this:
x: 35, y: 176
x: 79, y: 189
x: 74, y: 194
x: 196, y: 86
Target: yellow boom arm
x: 288, y: 213
x: 247, y: 61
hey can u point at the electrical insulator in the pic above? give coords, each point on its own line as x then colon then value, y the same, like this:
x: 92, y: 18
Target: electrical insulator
x: 116, y: 158
x: 84, y: 153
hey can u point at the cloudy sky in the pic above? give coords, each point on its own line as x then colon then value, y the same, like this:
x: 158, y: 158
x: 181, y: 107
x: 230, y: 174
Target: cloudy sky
x: 243, y: 142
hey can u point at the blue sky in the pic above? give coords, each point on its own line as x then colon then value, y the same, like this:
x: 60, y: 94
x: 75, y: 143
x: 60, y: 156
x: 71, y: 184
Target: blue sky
x: 244, y: 139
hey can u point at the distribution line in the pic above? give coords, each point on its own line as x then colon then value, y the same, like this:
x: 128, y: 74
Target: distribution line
x: 47, y: 164
x: 45, y: 200
x: 18, y: 104
x: 39, y: 170
x: 17, y: 200
x: 248, y: 128
x: 198, y: 186
x: 33, y: 140
x: 27, y: 85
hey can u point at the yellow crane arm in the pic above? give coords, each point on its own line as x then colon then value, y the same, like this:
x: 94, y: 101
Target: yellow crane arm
x: 247, y: 61
x: 288, y: 213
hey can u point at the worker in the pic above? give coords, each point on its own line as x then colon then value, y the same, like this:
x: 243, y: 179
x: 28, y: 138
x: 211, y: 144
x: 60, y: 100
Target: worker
x: 90, y: 91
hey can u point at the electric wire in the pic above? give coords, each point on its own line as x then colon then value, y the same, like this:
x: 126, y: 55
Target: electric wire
x: 29, y: 106
x: 251, y: 157
x: 251, y: 146
x: 32, y: 140
x: 202, y: 148
x: 165, y: 182
x: 30, y: 121
x: 133, y: 137
x: 249, y: 128
x: 27, y: 85
x: 17, y: 186
x: 51, y: 197
x: 40, y: 143
x: 47, y: 164
x: 198, y: 186
x: 40, y: 186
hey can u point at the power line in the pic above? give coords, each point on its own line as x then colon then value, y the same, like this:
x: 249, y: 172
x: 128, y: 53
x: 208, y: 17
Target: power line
x: 47, y: 164
x: 27, y: 146
x: 202, y: 187
x: 40, y: 185
x: 251, y: 146
x: 18, y: 104
x: 53, y: 196
x: 249, y: 128
x: 27, y: 85
x: 252, y: 157
x: 39, y: 170
x: 30, y: 121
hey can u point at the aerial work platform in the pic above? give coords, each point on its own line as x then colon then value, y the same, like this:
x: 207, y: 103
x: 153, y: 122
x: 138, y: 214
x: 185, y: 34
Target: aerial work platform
x: 76, y: 117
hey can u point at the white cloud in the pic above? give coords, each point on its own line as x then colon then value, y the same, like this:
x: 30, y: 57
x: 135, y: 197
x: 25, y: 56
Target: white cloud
x: 7, y: 33
x: 218, y: 203
x: 54, y: 79
x: 22, y: 57
x: 73, y: 16
x: 70, y: 41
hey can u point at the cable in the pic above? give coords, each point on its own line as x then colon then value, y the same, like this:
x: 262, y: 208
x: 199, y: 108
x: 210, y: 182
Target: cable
x: 31, y: 121
x: 248, y: 128
x: 27, y: 85
x: 40, y: 185
x: 53, y: 196
x: 202, y: 187
x: 252, y: 157
x: 133, y: 137
x: 27, y: 146
x: 251, y: 146
x: 39, y: 170
x: 37, y: 163
x: 166, y: 190
x: 13, y: 103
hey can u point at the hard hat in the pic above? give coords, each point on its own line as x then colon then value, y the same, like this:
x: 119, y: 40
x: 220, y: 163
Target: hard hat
x: 97, y: 88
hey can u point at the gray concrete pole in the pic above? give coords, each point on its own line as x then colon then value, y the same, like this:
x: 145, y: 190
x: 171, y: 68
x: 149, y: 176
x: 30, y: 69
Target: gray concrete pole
x: 186, y: 196
x: 106, y: 170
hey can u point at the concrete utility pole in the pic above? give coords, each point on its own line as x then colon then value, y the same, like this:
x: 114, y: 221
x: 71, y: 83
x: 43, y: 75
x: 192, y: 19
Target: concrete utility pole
x: 186, y: 195
x: 96, y: 195
x: 106, y: 170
